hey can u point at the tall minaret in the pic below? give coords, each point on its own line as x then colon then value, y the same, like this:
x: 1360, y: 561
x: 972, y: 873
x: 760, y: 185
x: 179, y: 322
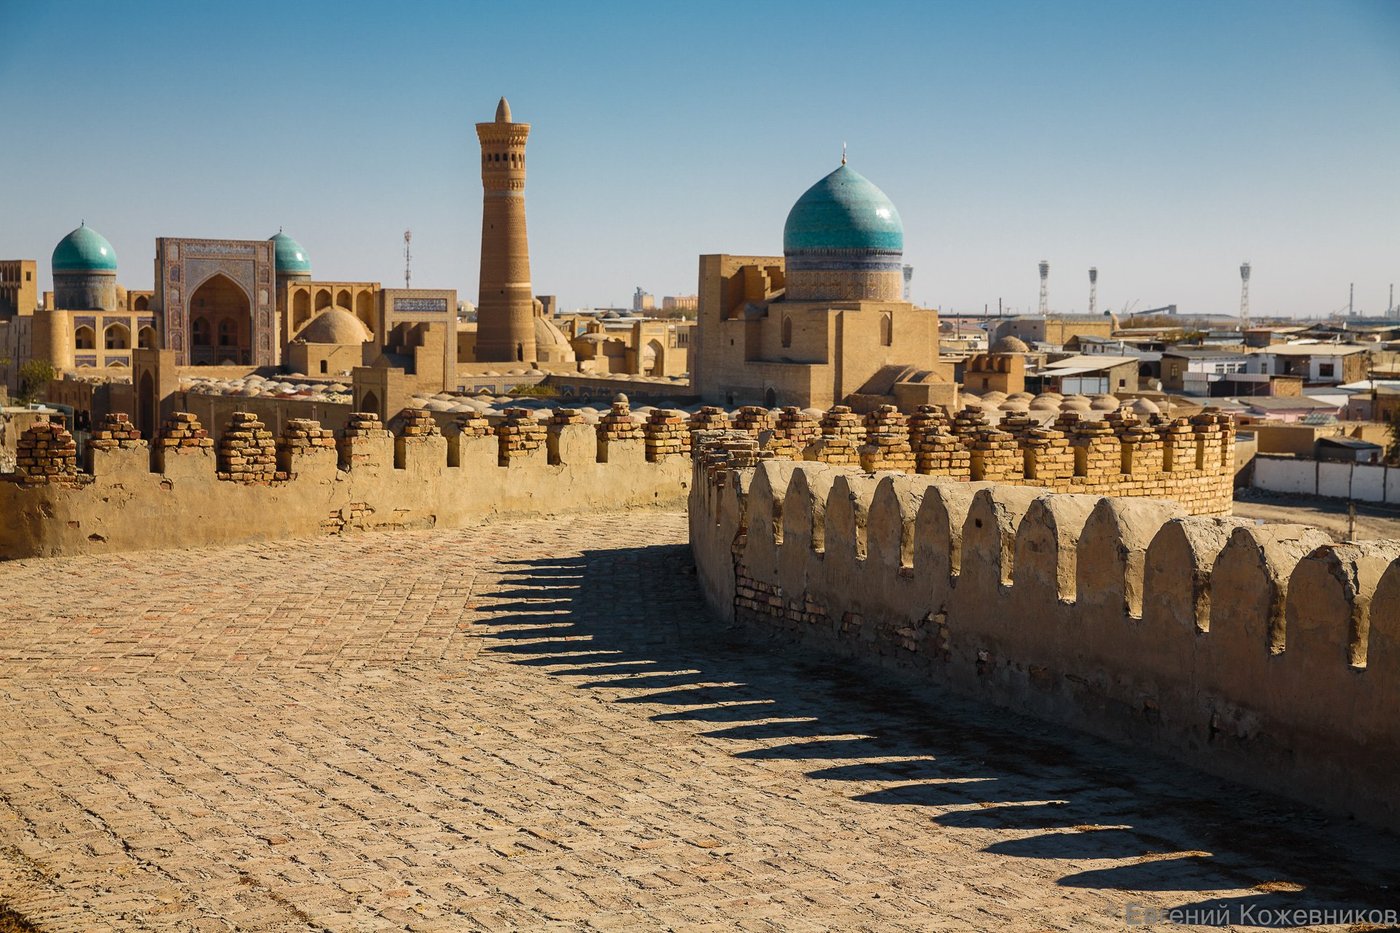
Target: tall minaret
x: 505, y: 329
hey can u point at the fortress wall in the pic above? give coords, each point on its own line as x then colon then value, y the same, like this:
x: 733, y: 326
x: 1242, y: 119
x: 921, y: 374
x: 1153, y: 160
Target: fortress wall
x: 192, y: 492
x: 1266, y: 654
x: 435, y: 471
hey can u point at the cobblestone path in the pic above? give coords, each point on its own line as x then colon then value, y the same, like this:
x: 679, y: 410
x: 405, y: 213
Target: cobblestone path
x: 533, y: 726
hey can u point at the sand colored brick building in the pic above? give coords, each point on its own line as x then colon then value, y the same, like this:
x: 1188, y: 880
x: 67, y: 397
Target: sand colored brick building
x: 824, y: 321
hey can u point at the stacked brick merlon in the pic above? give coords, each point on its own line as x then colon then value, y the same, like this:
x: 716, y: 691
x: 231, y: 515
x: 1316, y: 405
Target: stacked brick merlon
x: 619, y: 424
x: 364, y: 440
x: 247, y: 451
x: 1142, y: 454
x: 886, y: 442
x: 1098, y: 456
x: 753, y: 419
x: 709, y: 418
x: 474, y: 425
x: 302, y: 437
x: 968, y: 422
x: 996, y: 457
x: 45, y: 453
x: 520, y: 435
x: 116, y: 432
x: 183, y: 434
x: 795, y: 429
x: 841, y: 438
x: 937, y: 451
x: 667, y: 435
x: 418, y: 422
x: 1049, y: 460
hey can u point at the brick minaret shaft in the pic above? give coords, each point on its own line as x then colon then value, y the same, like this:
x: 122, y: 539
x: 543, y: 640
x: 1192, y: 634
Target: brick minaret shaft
x: 505, y: 312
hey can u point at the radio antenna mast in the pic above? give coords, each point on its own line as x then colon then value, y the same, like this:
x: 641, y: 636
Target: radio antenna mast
x: 407, y: 258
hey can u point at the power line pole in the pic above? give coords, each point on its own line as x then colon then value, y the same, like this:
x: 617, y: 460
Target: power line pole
x: 407, y: 259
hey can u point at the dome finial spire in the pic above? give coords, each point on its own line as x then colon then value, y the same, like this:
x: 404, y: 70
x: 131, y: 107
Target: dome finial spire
x: 503, y: 111
x: 843, y: 152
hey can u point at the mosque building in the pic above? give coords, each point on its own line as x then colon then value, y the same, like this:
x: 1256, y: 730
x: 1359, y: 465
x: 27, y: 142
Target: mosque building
x: 825, y: 322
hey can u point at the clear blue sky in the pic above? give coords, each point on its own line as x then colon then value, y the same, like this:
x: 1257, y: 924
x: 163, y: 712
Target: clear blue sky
x: 1162, y: 142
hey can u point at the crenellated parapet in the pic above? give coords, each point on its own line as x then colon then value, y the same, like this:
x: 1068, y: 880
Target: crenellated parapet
x: 189, y: 488
x: 1120, y: 454
x: 1265, y: 653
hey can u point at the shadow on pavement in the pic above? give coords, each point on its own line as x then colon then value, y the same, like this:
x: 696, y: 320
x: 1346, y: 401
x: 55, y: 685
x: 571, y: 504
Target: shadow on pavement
x: 632, y: 619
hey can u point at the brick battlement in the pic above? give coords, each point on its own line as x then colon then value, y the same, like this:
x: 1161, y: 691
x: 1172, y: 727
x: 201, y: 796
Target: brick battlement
x: 1191, y: 461
x: 1264, y: 653
x: 182, y: 489
x: 309, y: 480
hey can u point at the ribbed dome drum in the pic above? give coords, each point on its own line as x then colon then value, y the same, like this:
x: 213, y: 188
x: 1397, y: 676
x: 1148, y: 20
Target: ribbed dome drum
x: 844, y: 240
x: 85, y: 272
x: 291, y: 258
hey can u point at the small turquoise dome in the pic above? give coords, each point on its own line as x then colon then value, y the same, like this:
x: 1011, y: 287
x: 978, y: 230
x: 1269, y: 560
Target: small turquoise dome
x: 291, y: 258
x: 843, y: 211
x: 84, y: 250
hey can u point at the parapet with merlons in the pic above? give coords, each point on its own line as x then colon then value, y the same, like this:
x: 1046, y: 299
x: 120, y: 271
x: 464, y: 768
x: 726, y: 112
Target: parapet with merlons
x: 186, y: 488
x: 1265, y: 653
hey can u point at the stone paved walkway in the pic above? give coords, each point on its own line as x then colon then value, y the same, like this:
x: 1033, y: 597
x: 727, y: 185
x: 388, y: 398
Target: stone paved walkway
x: 533, y: 726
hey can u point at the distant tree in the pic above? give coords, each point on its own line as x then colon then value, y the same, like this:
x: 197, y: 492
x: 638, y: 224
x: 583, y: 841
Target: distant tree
x: 1392, y: 430
x: 34, y: 377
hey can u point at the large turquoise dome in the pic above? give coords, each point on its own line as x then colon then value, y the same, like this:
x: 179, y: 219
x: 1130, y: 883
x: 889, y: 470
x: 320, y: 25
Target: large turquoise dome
x: 843, y: 211
x: 84, y: 250
x: 291, y: 258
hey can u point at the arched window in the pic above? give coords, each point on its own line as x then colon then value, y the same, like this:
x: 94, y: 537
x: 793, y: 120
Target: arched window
x: 228, y: 333
x: 787, y: 331
x: 142, y: 303
x: 886, y: 329
x: 84, y: 338
x: 301, y: 309
x: 520, y: 352
x: 116, y: 337
x: 146, y: 338
x: 323, y: 299
x: 199, y: 332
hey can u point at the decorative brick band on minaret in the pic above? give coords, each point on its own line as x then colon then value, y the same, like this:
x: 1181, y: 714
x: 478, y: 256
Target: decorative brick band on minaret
x: 505, y: 307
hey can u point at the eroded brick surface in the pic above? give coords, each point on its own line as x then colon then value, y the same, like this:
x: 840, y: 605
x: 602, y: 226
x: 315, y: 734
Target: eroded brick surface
x: 532, y: 725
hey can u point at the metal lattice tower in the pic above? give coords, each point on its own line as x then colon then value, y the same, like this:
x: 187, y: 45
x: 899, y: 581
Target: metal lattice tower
x: 1244, y: 295
x: 1093, y: 290
x: 1044, y: 288
x: 407, y: 258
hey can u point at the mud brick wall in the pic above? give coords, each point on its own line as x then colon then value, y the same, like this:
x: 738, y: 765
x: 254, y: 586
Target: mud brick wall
x: 1264, y: 653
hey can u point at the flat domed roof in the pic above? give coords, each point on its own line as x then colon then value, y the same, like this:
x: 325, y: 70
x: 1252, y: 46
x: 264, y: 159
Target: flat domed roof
x: 290, y: 255
x: 845, y: 210
x: 84, y: 250
x: 335, y: 325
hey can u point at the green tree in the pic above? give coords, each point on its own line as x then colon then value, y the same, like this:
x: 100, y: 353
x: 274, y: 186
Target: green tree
x: 34, y: 377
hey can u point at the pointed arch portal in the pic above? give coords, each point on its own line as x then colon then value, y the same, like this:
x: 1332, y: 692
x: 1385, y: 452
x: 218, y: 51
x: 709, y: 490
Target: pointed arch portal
x: 221, y: 319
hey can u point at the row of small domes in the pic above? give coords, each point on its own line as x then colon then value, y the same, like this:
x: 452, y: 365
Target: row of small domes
x: 86, y: 250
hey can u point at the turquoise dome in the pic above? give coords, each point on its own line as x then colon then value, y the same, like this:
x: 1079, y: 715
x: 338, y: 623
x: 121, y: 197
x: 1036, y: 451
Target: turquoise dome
x: 291, y: 258
x: 84, y: 250
x: 843, y: 211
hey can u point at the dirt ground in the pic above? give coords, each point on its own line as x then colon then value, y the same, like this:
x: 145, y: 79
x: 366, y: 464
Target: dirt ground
x: 1373, y: 522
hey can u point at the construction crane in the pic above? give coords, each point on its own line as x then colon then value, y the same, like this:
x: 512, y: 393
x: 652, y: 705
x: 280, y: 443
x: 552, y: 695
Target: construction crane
x: 1128, y: 307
